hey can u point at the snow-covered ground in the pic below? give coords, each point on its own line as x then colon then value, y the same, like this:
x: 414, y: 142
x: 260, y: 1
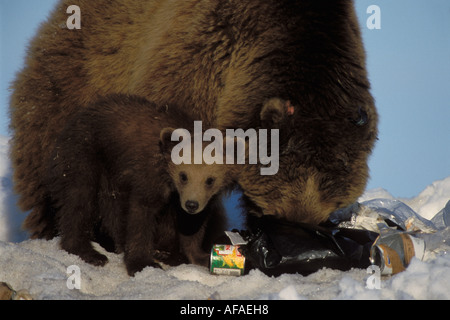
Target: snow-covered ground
x: 43, y: 269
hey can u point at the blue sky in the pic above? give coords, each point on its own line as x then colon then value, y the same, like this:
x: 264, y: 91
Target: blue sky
x: 409, y: 67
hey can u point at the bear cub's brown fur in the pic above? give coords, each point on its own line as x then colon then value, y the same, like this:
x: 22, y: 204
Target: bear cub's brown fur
x: 111, y: 174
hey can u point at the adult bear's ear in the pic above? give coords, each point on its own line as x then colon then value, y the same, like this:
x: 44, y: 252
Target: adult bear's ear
x: 165, y: 140
x: 274, y: 112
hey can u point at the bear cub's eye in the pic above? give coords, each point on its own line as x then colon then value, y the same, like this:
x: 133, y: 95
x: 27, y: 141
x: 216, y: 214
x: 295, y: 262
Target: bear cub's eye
x: 183, y: 177
x: 210, y: 182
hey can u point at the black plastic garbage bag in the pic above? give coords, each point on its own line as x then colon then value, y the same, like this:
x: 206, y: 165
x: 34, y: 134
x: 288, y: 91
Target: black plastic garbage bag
x: 276, y: 247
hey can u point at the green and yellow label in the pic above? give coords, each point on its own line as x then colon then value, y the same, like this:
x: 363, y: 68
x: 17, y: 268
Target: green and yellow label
x: 227, y: 260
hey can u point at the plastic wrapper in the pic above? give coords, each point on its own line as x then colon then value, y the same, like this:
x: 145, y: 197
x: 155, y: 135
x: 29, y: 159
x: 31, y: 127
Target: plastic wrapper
x: 276, y: 247
x: 403, y: 233
x: 442, y: 219
x: 369, y: 215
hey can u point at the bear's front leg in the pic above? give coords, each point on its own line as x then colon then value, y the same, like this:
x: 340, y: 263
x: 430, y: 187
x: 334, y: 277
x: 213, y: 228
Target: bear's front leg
x: 191, y: 246
x: 139, y: 241
x: 75, y: 226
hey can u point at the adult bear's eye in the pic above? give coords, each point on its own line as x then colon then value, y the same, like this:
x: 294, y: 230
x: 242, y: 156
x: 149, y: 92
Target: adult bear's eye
x: 210, y: 182
x: 183, y: 177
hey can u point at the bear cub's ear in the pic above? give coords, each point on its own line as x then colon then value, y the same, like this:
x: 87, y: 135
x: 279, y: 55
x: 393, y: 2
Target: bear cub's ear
x: 274, y: 112
x: 165, y: 140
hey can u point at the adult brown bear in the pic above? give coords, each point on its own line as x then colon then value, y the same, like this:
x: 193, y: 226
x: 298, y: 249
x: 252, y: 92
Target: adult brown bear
x: 226, y: 59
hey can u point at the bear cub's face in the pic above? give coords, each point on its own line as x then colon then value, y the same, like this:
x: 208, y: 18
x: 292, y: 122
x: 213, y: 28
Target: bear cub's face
x: 196, y: 183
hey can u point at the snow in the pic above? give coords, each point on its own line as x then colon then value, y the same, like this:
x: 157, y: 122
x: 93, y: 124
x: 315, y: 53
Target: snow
x: 41, y: 268
x: 431, y: 200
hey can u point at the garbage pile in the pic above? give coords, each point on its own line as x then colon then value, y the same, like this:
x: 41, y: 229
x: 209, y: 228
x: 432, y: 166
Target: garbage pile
x: 381, y: 232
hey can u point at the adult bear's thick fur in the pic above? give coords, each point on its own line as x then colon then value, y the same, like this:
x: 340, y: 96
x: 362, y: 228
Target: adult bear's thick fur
x: 225, y: 59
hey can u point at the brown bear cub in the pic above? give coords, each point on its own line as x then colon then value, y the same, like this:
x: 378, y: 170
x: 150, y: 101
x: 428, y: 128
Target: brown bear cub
x: 111, y: 174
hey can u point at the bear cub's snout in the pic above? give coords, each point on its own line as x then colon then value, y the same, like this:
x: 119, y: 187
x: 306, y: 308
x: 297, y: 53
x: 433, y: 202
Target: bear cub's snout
x: 192, y: 206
